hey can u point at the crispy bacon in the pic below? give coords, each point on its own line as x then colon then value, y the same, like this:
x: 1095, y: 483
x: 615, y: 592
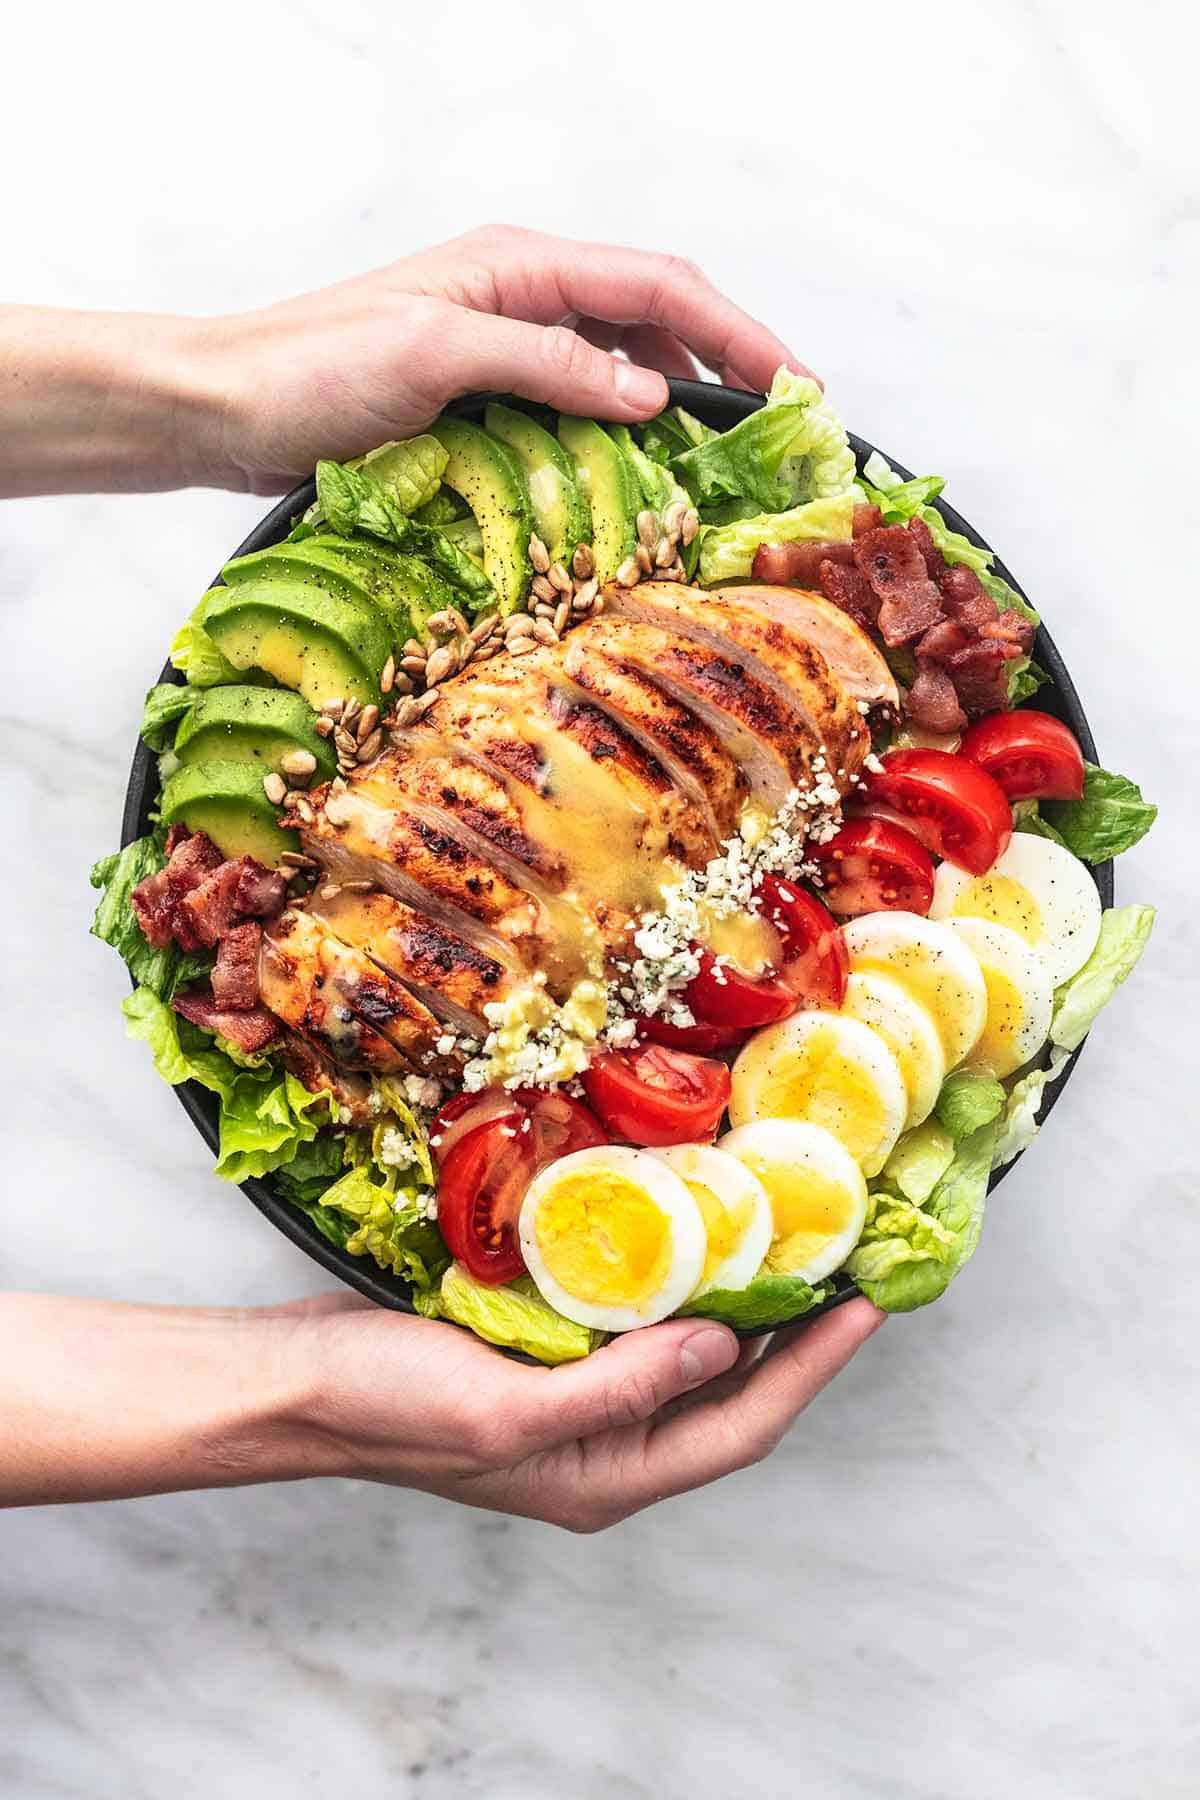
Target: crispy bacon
x: 909, y: 603
x: 935, y: 562
x: 239, y: 888
x: 157, y: 901
x: 932, y: 701
x: 850, y: 589
x: 251, y: 1030
x: 865, y: 518
x: 235, y: 973
x: 941, y: 641
x: 798, y: 565
x: 980, y: 675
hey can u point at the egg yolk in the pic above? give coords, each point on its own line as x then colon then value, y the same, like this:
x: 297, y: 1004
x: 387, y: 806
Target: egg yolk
x: 1007, y: 902
x: 807, y: 1209
x: 726, y: 1226
x: 1005, y: 1016
x: 603, y: 1239
x: 819, y: 1083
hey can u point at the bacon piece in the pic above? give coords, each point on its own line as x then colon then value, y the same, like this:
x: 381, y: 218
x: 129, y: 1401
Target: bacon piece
x: 959, y: 583
x: 941, y: 641
x: 892, y: 562
x: 157, y: 901
x: 250, y: 1031
x: 1010, y: 628
x: 865, y: 518
x: 238, y: 887
x: 176, y: 834
x: 261, y: 892
x: 979, y: 674
x: 850, y: 589
x: 932, y: 701
x: 798, y: 565
x: 235, y: 973
x: 935, y: 562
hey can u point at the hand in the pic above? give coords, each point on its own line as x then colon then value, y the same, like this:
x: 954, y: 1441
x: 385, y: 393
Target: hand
x: 378, y: 357
x: 653, y: 1414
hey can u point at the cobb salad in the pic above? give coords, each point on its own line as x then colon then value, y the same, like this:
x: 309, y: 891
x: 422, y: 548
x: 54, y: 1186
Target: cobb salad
x: 604, y: 873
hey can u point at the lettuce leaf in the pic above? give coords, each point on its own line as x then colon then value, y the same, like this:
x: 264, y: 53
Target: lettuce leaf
x: 918, y: 1162
x: 908, y: 1255
x: 197, y: 657
x: 727, y: 551
x: 114, y: 923
x: 1027, y: 816
x: 1111, y: 817
x: 898, y: 501
x: 767, y: 1300
x: 445, y: 508
x: 352, y: 502
x: 165, y: 705
x: 1124, y: 934
x: 1019, y: 1125
x: 1025, y: 677
x: 656, y: 484
x: 743, y: 462
x: 515, y: 1317
x: 265, y: 1113
x: 393, y: 1227
x: 409, y: 469
x: 672, y: 432
x: 967, y: 1101
x: 819, y: 462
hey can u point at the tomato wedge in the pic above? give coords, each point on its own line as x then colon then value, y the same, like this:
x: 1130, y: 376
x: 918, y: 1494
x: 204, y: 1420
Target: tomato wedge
x: 488, y: 1154
x: 721, y: 994
x: 1032, y: 755
x: 951, y: 804
x: 815, y: 964
x: 656, y: 1096
x: 701, y: 1037
x: 873, y: 866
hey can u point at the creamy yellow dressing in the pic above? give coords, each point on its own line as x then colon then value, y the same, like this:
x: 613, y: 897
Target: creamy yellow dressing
x: 745, y: 938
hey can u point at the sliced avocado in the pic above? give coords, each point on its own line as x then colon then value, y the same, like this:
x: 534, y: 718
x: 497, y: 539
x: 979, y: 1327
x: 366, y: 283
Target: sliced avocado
x: 226, y: 800
x: 251, y: 725
x: 406, y: 589
x: 560, y: 512
x: 311, y: 641
x: 492, y: 482
x: 613, y: 494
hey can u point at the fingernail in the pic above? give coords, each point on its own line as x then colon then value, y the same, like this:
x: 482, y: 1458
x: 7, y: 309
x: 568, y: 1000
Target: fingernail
x: 639, y: 388
x: 705, y: 1354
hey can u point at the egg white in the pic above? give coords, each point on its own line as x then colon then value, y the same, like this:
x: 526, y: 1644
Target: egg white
x: 934, y: 965
x: 727, y: 1187
x: 670, y: 1199
x: 795, y: 1161
x: 1020, y: 997
x: 1037, y: 889
x: 833, y: 1071
x: 909, y: 1032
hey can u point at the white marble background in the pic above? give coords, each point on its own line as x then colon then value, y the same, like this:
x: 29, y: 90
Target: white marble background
x: 971, y: 1570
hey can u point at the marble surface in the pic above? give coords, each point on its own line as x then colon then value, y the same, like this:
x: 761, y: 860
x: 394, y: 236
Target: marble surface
x: 972, y: 1567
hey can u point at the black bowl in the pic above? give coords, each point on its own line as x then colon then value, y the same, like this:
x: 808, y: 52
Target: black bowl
x: 719, y: 407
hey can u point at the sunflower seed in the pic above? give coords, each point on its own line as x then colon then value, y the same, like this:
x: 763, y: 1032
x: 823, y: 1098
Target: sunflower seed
x: 598, y: 605
x: 539, y: 556
x: 301, y: 764
x: 542, y: 588
x: 323, y: 727
x: 414, y: 666
x: 585, y: 595
x: 517, y: 624
x: 562, y: 616
x: 583, y: 563
x: 402, y: 685
x: 439, y: 621
x: 443, y: 662
x: 369, y: 749
x: 387, y: 676
x: 559, y: 578
x: 275, y: 788
x: 675, y: 572
x: 648, y: 529
x: 643, y: 558
x: 449, y: 622
x: 485, y: 652
x: 291, y: 798
x: 664, y: 552
x: 331, y: 890
x: 690, y: 525
x: 351, y: 711
x: 407, y: 713
x: 304, y: 811
x: 337, y: 786
x: 672, y: 519
x: 483, y: 628
x: 333, y: 708
x: 425, y: 702
x: 412, y: 648
x: 521, y: 646
x: 368, y: 720
x: 629, y: 574
x: 544, y: 632
x: 346, y: 742
x: 296, y: 859
x: 359, y: 887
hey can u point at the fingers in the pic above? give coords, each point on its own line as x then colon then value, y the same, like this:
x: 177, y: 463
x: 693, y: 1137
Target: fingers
x: 712, y: 1438
x: 623, y: 1384
x: 548, y: 363
x: 647, y: 345
x: 543, y: 279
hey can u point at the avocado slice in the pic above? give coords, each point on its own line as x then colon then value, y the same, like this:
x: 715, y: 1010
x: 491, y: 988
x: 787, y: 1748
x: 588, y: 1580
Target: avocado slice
x: 250, y: 725
x: 610, y: 488
x: 226, y: 800
x: 310, y: 640
x: 405, y: 589
x: 492, y: 482
x: 560, y: 512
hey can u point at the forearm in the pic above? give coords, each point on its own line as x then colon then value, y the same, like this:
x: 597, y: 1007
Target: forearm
x: 105, y: 402
x: 100, y: 1401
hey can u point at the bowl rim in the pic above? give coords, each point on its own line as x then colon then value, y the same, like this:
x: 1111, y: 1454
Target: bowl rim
x: 716, y: 405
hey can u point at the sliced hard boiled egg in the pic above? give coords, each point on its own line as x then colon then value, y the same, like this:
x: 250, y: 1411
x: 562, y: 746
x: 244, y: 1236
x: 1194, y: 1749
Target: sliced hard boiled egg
x: 1020, y: 998
x: 816, y: 1189
x: 1039, y: 890
x: 735, y: 1210
x: 909, y: 1032
x: 934, y: 965
x: 612, y: 1237
x: 830, y: 1070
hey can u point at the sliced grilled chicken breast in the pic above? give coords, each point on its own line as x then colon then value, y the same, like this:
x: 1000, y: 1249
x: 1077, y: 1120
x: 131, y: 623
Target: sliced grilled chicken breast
x: 847, y: 649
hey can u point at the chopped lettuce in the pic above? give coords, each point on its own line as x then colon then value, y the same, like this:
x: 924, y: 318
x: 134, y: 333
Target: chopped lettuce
x: 655, y: 482
x: 819, y: 462
x: 672, y: 432
x: 793, y: 449
x: 165, y: 705
x: 410, y: 469
x: 1027, y: 816
x: 197, y: 657
x: 515, y: 1317
x: 727, y: 551
x: 1019, y: 1125
x: 968, y: 1100
x: 1111, y: 817
x: 908, y: 1254
x: 1124, y: 933
x: 265, y: 1113
x: 162, y: 971
x: 445, y: 508
x: 767, y: 1300
x: 352, y: 502
x: 918, y: 1162
x: 393, y: 1227
x: 898, y: 501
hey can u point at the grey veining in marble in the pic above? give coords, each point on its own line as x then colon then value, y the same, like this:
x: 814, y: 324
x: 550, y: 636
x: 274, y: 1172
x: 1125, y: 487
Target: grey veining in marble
x: 972, y: 1569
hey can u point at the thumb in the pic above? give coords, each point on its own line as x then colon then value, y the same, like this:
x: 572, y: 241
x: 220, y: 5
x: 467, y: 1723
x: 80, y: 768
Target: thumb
x: 626, y: 1382
x: 548, y: 363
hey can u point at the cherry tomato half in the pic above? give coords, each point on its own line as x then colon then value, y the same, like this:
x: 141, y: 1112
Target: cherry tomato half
x: 873, y: 866
x: 1032, y: 755
x: 815, y: 963
x: 955, y: 809
x: 654, y: 1096
x: 701, y: 1037
x: 484, y: 1174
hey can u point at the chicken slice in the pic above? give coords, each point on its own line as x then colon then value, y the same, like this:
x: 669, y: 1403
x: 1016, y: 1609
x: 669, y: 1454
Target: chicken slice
x: 847, y: 649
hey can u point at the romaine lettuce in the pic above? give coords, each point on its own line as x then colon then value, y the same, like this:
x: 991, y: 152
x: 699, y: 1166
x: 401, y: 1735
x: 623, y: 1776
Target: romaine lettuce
x: 672, y: 432
x: 391, y: 1226
x: 655, y: 482
x: 1110, y: 818
x: 352, y: 502
x: 409, y: 469
x: 743, y: 463
x: 907, y: 1254
x: 1124, y: 933
x: 162, y: 971
x: 1019, y: 1126
x: 197, y: 658
x: 918, y: 1162
x: 727, y: 551
x: 165, y: 705
x: 819, y: 462
x: 515, y: 1317
x: 968, y: 1100
x: 767, y: 1300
